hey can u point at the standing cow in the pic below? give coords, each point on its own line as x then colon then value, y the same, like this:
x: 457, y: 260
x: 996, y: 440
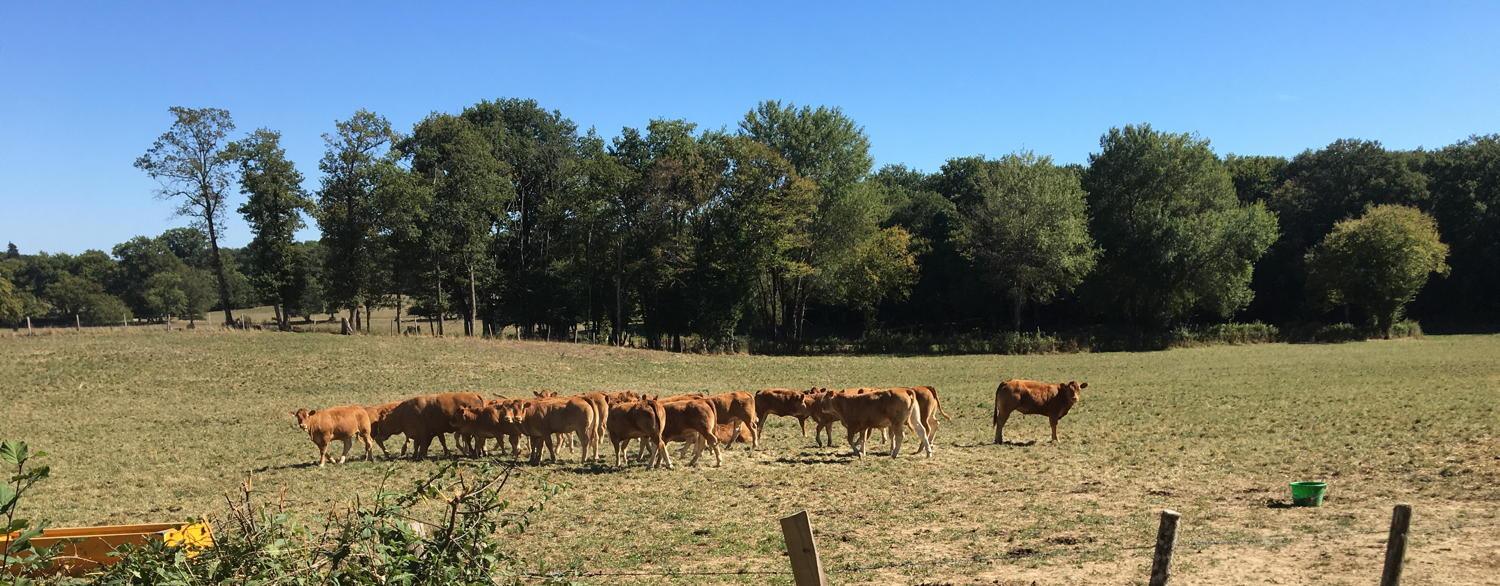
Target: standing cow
x: 1034, y: 398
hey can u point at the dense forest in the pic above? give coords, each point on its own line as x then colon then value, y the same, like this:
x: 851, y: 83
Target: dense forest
x: 673, y: 236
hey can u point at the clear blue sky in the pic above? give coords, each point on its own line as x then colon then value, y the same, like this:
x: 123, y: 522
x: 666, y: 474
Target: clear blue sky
x: 85, y: 88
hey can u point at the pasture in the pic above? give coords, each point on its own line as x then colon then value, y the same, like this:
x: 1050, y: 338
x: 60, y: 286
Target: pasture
x: 145, y: 426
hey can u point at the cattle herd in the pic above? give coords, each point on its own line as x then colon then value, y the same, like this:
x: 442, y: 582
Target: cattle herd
x: 584, y: 420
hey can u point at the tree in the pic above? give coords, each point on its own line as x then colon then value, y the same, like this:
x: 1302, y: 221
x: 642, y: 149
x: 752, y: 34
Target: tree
x: 1028, y: 232
x: 71, y: 295
x: 1465, y: 189
x: 11, y: 251
x: 347, y: 212
x: 140, y: 258
x: 1320, y: 187
x: 1176, y: 240
x: 12, y: 302
x: 470, y: 188
x: 190, y: 163
x: 164, y: 295
x: 539, y: 148
x: 1377, y: 262
x: 753, y: 226
x: 827, y: 148
x: 1256, y: 178
x: 273, y: 209
x: 190, y: 244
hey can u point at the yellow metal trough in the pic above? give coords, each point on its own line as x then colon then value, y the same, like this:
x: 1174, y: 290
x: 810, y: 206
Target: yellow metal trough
x: 85, y: 549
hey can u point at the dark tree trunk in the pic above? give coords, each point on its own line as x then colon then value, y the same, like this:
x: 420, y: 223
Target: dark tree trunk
x: 472, y: 318
x: 218, y: 262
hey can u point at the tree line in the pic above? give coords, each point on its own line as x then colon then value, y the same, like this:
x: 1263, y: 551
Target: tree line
x: 673, y: 236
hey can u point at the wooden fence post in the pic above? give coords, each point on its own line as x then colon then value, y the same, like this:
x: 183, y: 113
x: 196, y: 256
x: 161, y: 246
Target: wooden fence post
x: 77, y: 323
x: 28, y: 327
x: 1395, y: 546
x: 807, y: 568
x: 1166, y: 539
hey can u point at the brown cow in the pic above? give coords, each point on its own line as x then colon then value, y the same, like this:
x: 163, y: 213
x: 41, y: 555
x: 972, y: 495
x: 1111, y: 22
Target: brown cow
x: 892, y: 409
x: 823, y: 418
x: 539, y: 419
x: 426, y: 417
x: 731, y: 407
x: 783, y: 402
x: 378, y: 425
x: 692, y: 420
x: 644, y: 419
x: 1034, y: 398
x: 927, y: 401
x: 336, y: 423
x: 489, y: 422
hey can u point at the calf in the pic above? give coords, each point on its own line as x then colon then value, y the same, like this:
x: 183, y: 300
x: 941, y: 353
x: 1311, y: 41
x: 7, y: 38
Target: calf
x: 645, y: 420
x: 691, y: 420
x: 818, y: 411
x: 1034, y: 398
x: 489, y: 422
x: 892, y: 409
x: 380, y: 428
x: 783, y: 402
x: 539, y: 419
x: 731, y: 407
x: 336, y: 423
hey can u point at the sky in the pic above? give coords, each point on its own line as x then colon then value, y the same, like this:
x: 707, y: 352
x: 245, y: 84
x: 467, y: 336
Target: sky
x: 85, y: 86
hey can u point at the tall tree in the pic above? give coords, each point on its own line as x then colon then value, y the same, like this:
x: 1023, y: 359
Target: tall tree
x: 1377, y: 262
x: 192, y: 166
x: 1028, y: 234
x: 1465, y: 186
x: 470, y: 189
x: 273, y: 209
x: 347, y: 211
x: 826, y: 147
x: 539, y: 148
x: 1176, y: 239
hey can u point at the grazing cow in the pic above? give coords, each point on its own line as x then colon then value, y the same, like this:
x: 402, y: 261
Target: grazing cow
x: 691, y: 420
x: 617, y: 397
x: 783, y: 402
x: 426, y: 417
x: 539, y: 419
x: 1034, y: 398
x: 892, y: 409
x: 645, y: 420
x: 489, y: 422
x: 336, y: 423
x: 731, y: 407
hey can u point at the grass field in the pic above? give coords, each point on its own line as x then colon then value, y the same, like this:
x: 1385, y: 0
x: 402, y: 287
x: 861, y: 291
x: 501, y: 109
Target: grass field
x: 153, y: 425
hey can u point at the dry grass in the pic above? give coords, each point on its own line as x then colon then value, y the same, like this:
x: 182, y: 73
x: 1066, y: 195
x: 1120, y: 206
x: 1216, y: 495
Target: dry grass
x: 149, y: 426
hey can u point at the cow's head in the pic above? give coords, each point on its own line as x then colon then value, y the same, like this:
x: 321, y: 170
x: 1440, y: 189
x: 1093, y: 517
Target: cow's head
x: 1073, y: 389
x: 512, y: 413
x: 301, y: 415
x: 544, y: 394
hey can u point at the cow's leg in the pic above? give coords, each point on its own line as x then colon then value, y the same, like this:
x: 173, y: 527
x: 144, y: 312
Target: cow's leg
x: 348, y: 443
x: 802, y: 425
x: 442, y: 441
x: 857, y: 446
x: 322, y: 444
x: 697, y: 451
x: 1053, y: 421
x: 713, y: 444
x: 379, y: 442
x: 419, y: 446
x: 584, y: 440
x: 369, y: 449
x: 551, y: 443
x: 617, y: 445
x: 661, y: 451
x: 897, y: 432
x: 1001, y: 415
x: 922, y: 433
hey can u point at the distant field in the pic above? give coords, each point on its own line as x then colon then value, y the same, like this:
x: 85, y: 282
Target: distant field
x: 156, y: 425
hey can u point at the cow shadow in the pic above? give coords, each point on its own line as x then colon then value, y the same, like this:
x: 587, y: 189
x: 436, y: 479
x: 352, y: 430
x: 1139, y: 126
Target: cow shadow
x: 813, y: 458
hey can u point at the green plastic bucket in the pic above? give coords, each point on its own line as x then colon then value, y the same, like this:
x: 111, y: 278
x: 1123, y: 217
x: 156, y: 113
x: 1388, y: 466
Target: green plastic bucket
x: 1308, y: 494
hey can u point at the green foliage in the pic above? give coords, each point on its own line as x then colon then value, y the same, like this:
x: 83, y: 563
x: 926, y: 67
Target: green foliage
x: 347, y: 210
x: 273, y: 209
x: 1177, y: 242
x: 1377, y: 262
x: 1255, y: 178
x: 375, y: 543
x: 192, y: 164
x: 1465, y: 194
x: 1027, y: 230
x: 13, y: 302
x: 20, y: 557
x: 72, y: 295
